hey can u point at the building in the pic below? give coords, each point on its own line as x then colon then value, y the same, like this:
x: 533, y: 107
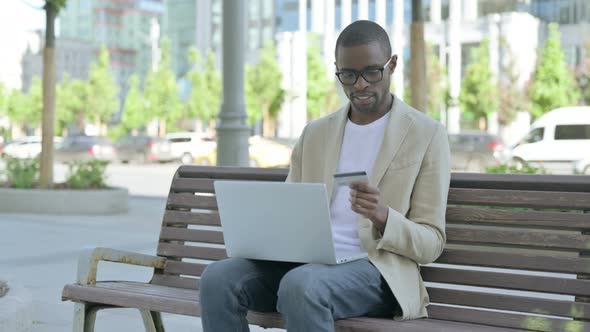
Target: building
x: 72, y: 58
x: 129, y: 29
x: 197, y: 23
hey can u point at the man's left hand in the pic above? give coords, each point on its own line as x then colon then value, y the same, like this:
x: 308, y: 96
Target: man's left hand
x: 365, y: 200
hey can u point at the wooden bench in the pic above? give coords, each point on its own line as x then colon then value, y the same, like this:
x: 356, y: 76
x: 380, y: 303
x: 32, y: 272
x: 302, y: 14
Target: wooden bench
x: 517, y: 257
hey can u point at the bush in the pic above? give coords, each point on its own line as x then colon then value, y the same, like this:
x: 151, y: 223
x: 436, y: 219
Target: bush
x: 524, y: 168
x: 22, y: 173
x: 87, y: 174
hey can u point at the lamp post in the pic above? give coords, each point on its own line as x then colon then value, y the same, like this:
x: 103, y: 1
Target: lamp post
x: 232, y: 128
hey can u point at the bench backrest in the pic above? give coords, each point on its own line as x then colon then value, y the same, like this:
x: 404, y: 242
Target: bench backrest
x: 511, y: 239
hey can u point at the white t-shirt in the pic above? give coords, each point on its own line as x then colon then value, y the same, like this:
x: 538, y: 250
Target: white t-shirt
x: 360, y: 147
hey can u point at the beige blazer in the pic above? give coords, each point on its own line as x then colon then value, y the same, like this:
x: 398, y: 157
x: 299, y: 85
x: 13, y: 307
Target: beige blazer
x: 412, y: 173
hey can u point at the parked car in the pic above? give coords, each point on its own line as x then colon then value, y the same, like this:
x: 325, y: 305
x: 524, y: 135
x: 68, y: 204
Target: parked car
x: 185, y: 146
x: 474, y: 151
x: 76, y: 148
x: 557, y: 141
x: 27, y: 147
x: 143, y: 149
x: 263, y: 152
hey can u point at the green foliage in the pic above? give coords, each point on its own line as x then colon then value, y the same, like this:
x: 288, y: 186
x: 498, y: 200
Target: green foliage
x: 26, y: 110
x: 263, y: 86
x: 87, y: 174
x: 525, y: 168
x: 478, y: 96
x: 205, y: 97
x: 320, y: 88
x: 512, y: 98
x: 134, y: 116
x: 22, y: 173
x: 103, y: 100
x: 58, y: 4
x: 71, y: 103
x: 583, y: 76
x: 553, y: 85
x: 437, y: 84
x: 160, y: 91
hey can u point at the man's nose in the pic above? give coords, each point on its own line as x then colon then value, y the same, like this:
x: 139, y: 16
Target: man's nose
x: 361, y: 83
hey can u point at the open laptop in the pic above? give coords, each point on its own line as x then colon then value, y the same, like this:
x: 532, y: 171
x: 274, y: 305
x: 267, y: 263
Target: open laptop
x: 278, y: 221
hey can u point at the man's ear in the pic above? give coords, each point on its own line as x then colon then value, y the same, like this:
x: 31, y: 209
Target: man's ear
x: 393, y: 64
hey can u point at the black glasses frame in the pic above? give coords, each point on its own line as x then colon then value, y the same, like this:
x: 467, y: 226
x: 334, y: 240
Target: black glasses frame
x: 362, y: 73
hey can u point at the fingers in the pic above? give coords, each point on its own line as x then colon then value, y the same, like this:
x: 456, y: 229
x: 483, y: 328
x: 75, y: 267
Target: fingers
x: 363, y: 202
x: 364, y: 187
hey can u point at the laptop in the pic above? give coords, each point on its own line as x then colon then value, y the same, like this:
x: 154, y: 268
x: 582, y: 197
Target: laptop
x: 278, y: 221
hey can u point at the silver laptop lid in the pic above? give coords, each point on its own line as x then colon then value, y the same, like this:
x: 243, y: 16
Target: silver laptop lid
x: 276, y: 221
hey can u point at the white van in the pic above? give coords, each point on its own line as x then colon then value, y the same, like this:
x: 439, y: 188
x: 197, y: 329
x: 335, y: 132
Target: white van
x: 557, y: 141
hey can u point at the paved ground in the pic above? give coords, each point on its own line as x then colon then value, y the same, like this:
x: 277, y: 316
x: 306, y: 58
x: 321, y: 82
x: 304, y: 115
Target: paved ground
x: 40, y: 252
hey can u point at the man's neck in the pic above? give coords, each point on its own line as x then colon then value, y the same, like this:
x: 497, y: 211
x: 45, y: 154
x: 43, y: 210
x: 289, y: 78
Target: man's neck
x: 362, y: 119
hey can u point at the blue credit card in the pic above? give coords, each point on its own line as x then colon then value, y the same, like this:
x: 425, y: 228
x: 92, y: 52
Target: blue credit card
x: 345, y: 179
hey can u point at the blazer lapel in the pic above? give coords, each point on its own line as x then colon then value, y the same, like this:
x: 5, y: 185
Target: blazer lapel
x: 333, y: 142
x: 395, y: 133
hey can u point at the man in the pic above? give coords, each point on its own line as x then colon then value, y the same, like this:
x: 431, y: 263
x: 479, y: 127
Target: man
x: 398, y: 218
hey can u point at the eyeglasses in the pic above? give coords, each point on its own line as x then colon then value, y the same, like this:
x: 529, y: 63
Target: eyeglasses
x: 350, y: 77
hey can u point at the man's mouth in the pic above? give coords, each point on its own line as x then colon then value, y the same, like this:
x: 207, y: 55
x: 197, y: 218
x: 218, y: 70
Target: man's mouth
x: 363, y: 99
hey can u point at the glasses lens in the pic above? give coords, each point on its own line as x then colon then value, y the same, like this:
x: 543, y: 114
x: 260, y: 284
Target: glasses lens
x: 347, y: 77
x: 373, y: 76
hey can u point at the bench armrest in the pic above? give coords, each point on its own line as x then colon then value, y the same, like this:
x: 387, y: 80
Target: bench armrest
x: 88, y: 262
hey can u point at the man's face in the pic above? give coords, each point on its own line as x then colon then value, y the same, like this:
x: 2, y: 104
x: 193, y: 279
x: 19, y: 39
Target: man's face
x: 366, y: 97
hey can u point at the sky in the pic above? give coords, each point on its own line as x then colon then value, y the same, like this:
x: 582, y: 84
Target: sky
x: 17, y: 18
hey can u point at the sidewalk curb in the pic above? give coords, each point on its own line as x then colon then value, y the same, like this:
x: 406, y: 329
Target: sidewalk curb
x: 16, y: 310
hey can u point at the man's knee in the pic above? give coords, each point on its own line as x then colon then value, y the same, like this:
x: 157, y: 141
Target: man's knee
x: 219, y: 276
x: 299, y: 286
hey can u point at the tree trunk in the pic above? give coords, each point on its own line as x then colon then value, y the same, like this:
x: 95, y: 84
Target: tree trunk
x: 48, y: 116
x: 268, y: 125
x: 417, y: 58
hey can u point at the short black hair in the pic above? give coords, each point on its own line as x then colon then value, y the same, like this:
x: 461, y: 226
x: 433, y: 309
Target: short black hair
x: 362, y: 33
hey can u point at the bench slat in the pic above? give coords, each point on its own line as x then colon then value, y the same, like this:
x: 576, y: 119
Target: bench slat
x: 510, y: 302
x: 180, y: 251
x: 537, y: 219
x: 233, y: 173
x: 174, y: 281
x: 184, y: 200
x: 502, y: 319
x: 191, y: 218
x: 192, y: 185
x: 191, y: 235
x: 532, y: 283
x: 516, y: 198
x: 184, y: 268
x: 515, y: 261
x: 527, y: 238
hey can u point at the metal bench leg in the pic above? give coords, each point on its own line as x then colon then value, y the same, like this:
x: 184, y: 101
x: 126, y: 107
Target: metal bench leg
x: 84, y: 317
x: 152, y: 321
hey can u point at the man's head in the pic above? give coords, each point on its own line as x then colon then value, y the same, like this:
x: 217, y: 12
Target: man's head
x: 364, y: 65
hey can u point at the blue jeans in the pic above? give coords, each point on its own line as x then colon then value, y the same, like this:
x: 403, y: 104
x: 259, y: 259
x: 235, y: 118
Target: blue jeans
x: 309, y: 296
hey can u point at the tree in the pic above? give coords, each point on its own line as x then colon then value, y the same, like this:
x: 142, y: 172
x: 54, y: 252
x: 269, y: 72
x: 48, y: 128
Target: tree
x: 437, y: 85
x: 512, y: 98
x: 583, y: 76
x: 161, y: 93
x: 205, y: 97
x: 72, y: 104
x: 264, y: 95
x: 103, y: 100
x: 26, y: 109
x: 553, y: 85
x: 134, y: 116
x: 322, y: 96
x: 478, y: 96
x: 52, y: 8
x: 417, y: 60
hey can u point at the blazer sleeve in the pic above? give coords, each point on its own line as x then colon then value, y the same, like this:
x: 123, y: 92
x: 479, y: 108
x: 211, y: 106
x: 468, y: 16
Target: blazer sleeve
x: 420, y: 235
